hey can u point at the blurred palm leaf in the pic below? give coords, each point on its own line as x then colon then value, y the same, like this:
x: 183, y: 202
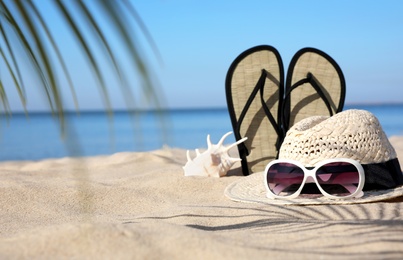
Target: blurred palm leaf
x: 26, y: 38
x: 103, y: 31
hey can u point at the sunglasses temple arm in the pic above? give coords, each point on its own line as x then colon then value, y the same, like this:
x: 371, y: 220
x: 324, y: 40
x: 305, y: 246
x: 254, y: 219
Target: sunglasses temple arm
x: 359, y: 195
x: 352, y: 189
x: 279, y: 188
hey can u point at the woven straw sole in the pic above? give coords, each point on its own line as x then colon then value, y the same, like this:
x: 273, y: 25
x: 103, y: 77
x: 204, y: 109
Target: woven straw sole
x: 241, y: 80
x: 251, y: 189
x: 304, y: 100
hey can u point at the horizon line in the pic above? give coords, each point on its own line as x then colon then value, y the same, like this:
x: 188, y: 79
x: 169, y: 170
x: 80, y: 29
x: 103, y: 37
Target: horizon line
x: 163, y: 109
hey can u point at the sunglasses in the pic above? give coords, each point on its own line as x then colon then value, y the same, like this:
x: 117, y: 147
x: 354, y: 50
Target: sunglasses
x: 335, y: 178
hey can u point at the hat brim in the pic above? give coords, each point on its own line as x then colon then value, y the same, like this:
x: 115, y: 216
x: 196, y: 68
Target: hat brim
x: 251, y: 189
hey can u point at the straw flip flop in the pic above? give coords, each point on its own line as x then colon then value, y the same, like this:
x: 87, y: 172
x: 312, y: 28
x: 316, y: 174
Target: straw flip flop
x: 254, y: 89
x: 315, y: 85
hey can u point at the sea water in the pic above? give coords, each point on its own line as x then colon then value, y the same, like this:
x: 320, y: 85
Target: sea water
x: 39, y: 135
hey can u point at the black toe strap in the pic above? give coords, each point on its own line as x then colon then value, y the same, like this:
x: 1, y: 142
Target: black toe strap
x: 310, y: 78
x: 259, y: 87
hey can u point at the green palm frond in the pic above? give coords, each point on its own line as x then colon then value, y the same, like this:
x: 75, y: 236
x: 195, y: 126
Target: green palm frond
x: 26, y: 38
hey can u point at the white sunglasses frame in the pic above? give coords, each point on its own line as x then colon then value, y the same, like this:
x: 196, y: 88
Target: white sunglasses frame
x: 312, y: 173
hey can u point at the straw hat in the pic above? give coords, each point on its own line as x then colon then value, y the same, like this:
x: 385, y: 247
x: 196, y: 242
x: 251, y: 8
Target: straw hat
x: 354, y: 134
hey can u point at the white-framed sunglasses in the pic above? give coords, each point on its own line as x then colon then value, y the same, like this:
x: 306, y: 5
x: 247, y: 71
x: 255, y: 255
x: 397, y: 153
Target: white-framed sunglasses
x: 339, y: 178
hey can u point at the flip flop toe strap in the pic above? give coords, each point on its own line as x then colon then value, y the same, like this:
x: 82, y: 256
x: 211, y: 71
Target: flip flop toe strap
x: 258, y: 88
x: 269, y: 115
x: 310, y: 78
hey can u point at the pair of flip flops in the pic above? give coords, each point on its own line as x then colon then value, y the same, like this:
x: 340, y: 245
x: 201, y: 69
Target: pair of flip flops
x: 263, y: 109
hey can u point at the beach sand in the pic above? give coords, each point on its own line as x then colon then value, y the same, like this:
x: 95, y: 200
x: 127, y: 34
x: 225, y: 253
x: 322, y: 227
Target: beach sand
x: 140, y: 206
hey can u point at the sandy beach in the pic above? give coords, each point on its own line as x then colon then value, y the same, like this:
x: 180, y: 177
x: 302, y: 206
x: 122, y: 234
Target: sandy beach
x: 140, y: 206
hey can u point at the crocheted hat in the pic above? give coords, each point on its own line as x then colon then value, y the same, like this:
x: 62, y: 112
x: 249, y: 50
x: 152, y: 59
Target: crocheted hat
x: 354, y: 134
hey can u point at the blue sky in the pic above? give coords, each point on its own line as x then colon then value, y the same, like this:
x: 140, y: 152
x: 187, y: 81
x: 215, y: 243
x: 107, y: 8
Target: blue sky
x: 198, y: 40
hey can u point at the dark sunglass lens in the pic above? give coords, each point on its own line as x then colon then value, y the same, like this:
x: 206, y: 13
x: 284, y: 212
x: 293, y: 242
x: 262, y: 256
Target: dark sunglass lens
x: 338, y: 178
x: 284, y: 179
